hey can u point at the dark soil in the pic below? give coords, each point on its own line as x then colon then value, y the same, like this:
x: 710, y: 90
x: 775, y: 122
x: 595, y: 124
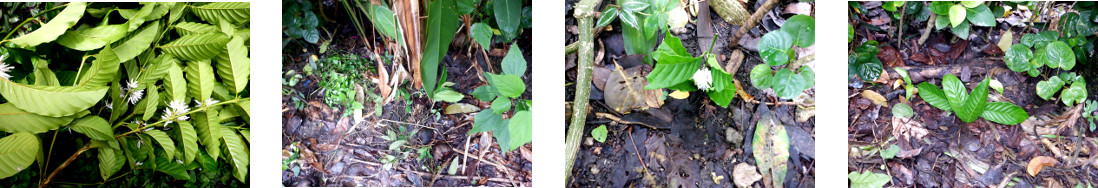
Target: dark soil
x: 686, y: 142
x: 954, y: 153
x: 349, y: 154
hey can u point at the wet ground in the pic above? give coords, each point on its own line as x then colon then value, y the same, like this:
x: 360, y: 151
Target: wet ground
x: 689, y: 142
x: 953, y: 153
x: 332, y: 150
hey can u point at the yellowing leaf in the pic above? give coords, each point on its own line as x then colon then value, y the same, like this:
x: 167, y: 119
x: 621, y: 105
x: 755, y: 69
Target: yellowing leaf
x: 1039, y: 162
x: 679, y: 94
x: 875, y: 97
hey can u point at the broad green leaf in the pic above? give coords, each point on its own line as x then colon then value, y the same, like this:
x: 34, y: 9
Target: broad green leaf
x: 448, y: 95
x: 607, y: 16
x: 802, y: 29
x: 43, y: 76
x: 508, y: 85
x: 175, y: 84
x: 1047, y: 88
x: 720, y: 80
x: 520, y: 129
x: 940, y: 7
x: 1076, y: 93
x: 102, y: 70
x: 200, y: 79
x: 629, y: 19
x: 246, y: 105
x: 514, y: 63
x: 52, y: 101
x: 501, y: 105
x: 138, y: 43
x: 934, y: 96
x: 1040, y: 39
x: 17, y: 152
x: 189, y: 141
x: 599, y: 133
x: 961, y: 30
x: 1059, y: 55
x: 441, y: 25
x: 484, y: 93
x: 236, y: 70
x: 671, y: 45
x: 980, y: 16
x: 158, y: 68
x: 634, y: 5
x: 891, y: 151
x: 466, y: 6
x: 94, y: 127
x: 16, y: 120
x: 954, y: 91
x: 246, y: 133
x: 197, y: 47
x: 671, y: 70
x: 191, y: 28
x: 170, y: 167
x: 971, y: 4
x: 723, y: 97
x: 770, y: 147
x: 760, y: 76
x: 809, y: 77
x: 1004, y: 113
x: 164, y: 140
x: 651, y: 24
x: 234, y: 12
x: 849, y: 33
x: 774, y: 47
x: 868, y: 179
x: 54, y: 28
x: 386, y: 24
x: 135, y: 20
x: 1017, y: 58
x: 956, y: 15
x: 902, y: 110
x: 786, y: 84
x: 974, y: 104
x: 238, y: 151
x: 508, y: 17
x: 91, y: 38
x: 941, y: 22
x: 209, y: 131
x: 110, y: 161
x: 482, y: 33
x: 487, y: 120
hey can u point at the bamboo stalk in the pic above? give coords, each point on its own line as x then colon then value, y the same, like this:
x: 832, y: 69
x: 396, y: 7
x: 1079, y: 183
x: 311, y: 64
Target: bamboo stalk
x: 584, y: 12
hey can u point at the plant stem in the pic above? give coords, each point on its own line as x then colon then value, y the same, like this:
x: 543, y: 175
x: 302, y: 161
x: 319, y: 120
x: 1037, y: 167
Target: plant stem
x: 28, y: 20
x: 73, y: 157
x: 758, y: 15
x: 584, y: 13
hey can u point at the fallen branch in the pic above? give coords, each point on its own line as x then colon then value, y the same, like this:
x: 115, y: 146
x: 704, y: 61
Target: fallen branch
x: 929, y: 27
x: 584, y: 13
x: 758, y: 15
x: 500, y: 180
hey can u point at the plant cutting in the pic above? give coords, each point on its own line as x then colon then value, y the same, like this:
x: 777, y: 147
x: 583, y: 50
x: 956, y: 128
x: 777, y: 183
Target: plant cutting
x: 970, y: 105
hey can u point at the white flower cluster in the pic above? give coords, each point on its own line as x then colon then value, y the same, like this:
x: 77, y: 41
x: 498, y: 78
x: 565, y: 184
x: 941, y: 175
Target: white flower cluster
x: 175, y: 108
x: 207, y: 103
x: 136, y: 95
x: 4, y: 68
x: 703, y: 79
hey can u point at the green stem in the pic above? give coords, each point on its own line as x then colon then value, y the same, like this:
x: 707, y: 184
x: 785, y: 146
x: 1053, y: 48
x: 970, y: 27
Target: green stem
x: 28, y: 20
x: 162, y: 121
x: 585, y: 11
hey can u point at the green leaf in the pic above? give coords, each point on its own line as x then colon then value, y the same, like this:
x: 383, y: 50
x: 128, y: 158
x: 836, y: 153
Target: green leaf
x: 448, y: 95
x: 200, y: 79
x: 809, y: 77
x: 508, y: 85
x: 902, y: 110
x: 760, y: 76
x: 209, y: 131
x: 487, y: 120
x: 1040, y: 39
x: 1017, y: 58
x: 484, y: 93
x: 197, y: 47
x: 787, y: 85
x: 138, y: 43
x: 723, y: 97
x: 86, y: 39
x: 239, y: 153
x: 102, y: 70
x: 974, y: 104
x: 774, y: 47
x: 52, y: 29
x: 956, y: 15
x: 802, y: 29
x: 1059, y: 55
x: 629, y: 19
x: 934, y: 96
x: 508, y: 14
x: 52, y: 101
x: 386, y: 24
x: 167, y: 166
x: 520, y: 129
x: 234, y: 12
x: 501, y: 105
x: 236, y: 70
x: 671, y: 70
x: 466, y: 6
x: 514, y: 63
x: 891, y: 151
x: 189, y: 140
x: 720, y: 80
x: 849, y: 33
x: 940, y: 7
x: 16, y: 120
x: 17, y: 152
x: 191, y: 28
x: 961, y: 30
x: 868, y: 179
x: 599, y: 133
x: 634, y: 5
x: 110, y: 161
x: 482, y: 33
x: 441, y: 25
x: 94, y: 127
x: 607, y: 16
x: 1076, y: 93
x: 1004, y: 113
x: 164, y: 140
x: 954, y: 91
x: 1047, y: 88
x: 980, y: 16
x: 175, y: 84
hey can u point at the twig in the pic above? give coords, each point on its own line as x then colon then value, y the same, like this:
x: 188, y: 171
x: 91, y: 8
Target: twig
x: 634, y: 143
x: 753, y: 101
x: 583, y: 13
x: 929, y: 27
x: 901, y: 34
x: 67, y: 162
x: 501, y: 180
x: 755, y: 17
x: 614, y: 118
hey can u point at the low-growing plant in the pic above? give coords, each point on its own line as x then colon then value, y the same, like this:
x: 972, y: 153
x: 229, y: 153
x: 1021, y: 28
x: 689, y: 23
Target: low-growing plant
x: 397, y: 141
x: 864, y: 63
x: 959, y: 17
x: 504, y: 91
x: 776, y: 49
x: 969, y: 106
x: 137, y: 67
x: 299, y: 21
x: 641, y: 22
x: 1088, y: 113
x: 1076, y: 92
x: 1050, y: 52
x: 676, y: 69
x: 908, y: 86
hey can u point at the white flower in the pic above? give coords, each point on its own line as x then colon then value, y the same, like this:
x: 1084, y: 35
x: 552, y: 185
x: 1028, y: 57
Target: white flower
x: 176, y: 108
x: 207, y: 103
x: 4, y: 68
x: 167, y: 116
x: 131, y: 84
x: 109, y: 104
x: 703, y: 79
x: 136, y: 96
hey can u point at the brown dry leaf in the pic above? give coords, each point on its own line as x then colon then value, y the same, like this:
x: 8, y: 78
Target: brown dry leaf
x: 877, y: 98
x: 652, y: 97
x: 599, y: 75
x: 382, y: 82
x: 906, y: 128
x: 407, y: 13
x: 624, y: 91
x: 799, y: 8
x: 739, y: 91
x: 890, y: 57
x: 1039, y: 162
x: 884, y: 78
x: 744, y: 175
x: 310, y: 158
x: 317, y: 110
x: 460, y: 108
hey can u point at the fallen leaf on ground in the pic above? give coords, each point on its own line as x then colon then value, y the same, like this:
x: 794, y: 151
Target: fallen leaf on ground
x: 460, y: 108
x: 1039, y: 162
x: 906, y: 128
x: 679, y: 94
x: 877, y: 98
x: 744, y: 175
x: 624, y: 91
x: 743, y: 94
